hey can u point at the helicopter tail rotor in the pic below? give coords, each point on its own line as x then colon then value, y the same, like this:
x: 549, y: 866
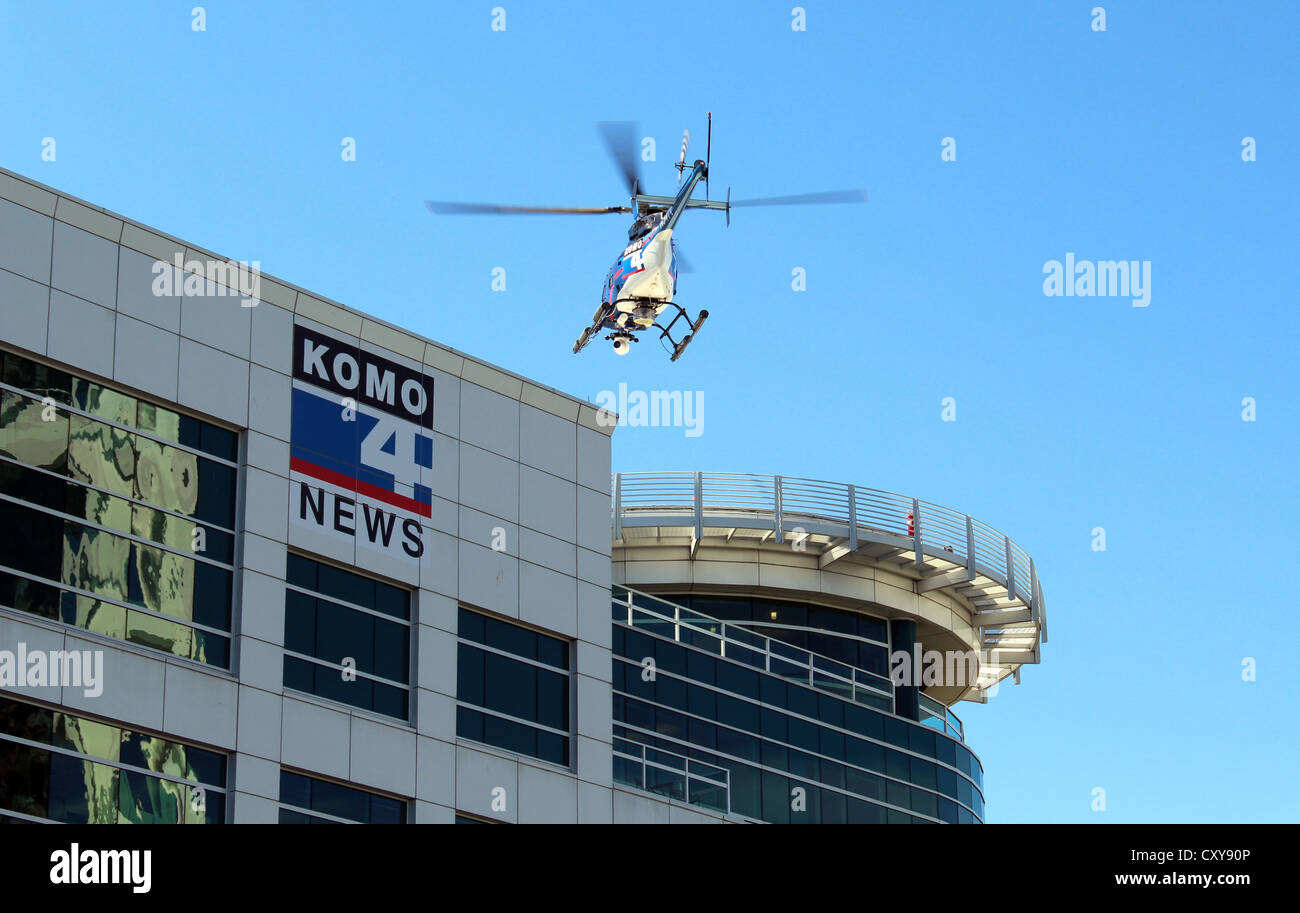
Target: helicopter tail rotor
x: 708, y: 152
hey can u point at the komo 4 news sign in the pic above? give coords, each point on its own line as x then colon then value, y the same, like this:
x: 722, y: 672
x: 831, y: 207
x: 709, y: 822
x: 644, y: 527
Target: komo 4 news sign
x: 361, y: 451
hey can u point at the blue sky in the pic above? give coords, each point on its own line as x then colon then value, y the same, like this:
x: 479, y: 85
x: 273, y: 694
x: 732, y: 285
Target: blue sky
x: 1072, y: 413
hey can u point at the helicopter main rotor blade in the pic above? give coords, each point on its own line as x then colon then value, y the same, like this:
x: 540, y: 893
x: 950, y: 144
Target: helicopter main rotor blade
x: 683, y: 265
x: 443, y: 208
x: 620, y: 140
x: 829, y: 196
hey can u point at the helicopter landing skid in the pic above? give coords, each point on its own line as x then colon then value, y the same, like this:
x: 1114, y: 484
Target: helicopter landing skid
x: 602, y: 313
x: 605, y: 311
x: 665, y: 332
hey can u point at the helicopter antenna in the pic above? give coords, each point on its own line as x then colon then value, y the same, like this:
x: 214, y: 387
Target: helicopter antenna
x: 681, y: 161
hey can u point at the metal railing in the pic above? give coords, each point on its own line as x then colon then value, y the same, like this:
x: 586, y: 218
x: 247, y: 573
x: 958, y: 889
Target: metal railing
x: 673, y: 775
x: 735, y: 641
x: 937, y: 716
x: 850, y: 513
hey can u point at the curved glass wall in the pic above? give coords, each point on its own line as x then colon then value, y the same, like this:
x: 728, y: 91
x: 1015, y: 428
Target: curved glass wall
x: 849, y: 637
x: 792, y: 753
x: 858, y: 640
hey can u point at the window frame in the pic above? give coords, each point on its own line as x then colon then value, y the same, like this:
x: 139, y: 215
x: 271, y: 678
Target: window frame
x: 569, y: 735
x: 208, y: 789
x: 68, y: 409
x: 282, y: 805
x: 409, y: 623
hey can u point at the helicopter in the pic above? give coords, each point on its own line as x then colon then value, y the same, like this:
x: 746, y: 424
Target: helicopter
x: 642, y: 283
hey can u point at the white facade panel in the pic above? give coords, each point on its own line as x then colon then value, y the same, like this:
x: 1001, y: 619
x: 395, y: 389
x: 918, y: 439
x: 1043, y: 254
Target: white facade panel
x: 478, y: 469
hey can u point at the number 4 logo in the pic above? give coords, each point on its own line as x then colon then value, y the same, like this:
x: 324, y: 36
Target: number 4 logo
x: 395, y: 448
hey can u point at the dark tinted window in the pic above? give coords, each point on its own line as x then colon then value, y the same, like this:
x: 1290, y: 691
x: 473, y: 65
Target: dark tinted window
x: 308, y: 794
x: 518, y: 699
x: 346, y: 651
x: 516, y: 639
x: 800, y: 733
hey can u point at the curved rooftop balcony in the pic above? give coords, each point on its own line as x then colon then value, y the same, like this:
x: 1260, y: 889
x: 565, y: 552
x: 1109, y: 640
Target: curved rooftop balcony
x: 938, y: 548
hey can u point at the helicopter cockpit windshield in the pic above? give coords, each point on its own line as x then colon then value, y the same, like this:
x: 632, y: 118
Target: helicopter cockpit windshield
x: 644, y: 224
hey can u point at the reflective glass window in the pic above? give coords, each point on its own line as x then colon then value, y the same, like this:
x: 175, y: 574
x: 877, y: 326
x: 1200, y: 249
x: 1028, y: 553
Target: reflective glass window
x: 95, y: 468
x: 89, y: 772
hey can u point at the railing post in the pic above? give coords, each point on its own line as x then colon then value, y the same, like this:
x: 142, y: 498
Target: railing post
x: 1033, y: 591
x: 618, y: 507
x: 916, y: 532
x: 699, y: 508
x: 780, y: 519
x: 970, y: 548
x: 1011, y: 570
x: 1042, y: 612
x: 853, y: 518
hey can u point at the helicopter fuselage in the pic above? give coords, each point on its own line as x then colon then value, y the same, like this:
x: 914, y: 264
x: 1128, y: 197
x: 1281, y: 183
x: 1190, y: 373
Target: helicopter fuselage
x: 642, y: 283
x: 643, y: 280
x: 645, y: 275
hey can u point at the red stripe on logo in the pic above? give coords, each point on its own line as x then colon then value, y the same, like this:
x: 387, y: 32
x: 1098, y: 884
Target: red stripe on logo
x: 298, y: 464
